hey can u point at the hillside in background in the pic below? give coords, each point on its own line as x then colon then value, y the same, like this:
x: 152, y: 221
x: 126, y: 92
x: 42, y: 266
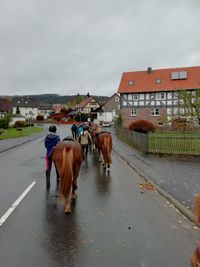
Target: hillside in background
x: 55, y: 98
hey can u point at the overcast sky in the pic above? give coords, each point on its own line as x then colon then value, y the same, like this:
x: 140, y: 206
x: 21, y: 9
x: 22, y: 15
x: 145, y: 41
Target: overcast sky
x: 69, y: 47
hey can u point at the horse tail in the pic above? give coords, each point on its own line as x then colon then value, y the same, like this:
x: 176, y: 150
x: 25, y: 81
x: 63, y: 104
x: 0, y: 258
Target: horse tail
x: 67, y: 171
x: 106, y: 149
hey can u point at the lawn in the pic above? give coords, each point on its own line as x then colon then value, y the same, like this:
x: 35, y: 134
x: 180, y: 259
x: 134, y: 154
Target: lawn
x: 15, y: 133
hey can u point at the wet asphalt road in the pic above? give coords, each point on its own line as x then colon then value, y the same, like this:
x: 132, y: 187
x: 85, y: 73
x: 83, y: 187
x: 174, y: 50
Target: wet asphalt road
x: 114, y: 223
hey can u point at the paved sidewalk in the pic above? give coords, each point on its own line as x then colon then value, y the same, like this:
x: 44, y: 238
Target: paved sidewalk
x: 176, y: 179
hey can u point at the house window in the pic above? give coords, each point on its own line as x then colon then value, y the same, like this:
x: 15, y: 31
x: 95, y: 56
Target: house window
x: 169, y: 95
x: 134, y: 112
x: 154, y: 112
x: 160, y: 96
x: 130, y: 83
x: 130, y: 96
x: 135, y: 96
x: 141, y: 96
x: 169, y: 111
x: 141, y: 103
x: 152, y: 95
x: 116, y: 99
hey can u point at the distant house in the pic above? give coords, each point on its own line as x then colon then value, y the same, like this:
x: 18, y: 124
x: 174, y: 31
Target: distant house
x: 26, y: 106
x: 5, y: 106
x: 152, y: 94
x: 108, y: 110
x: 87, y: 105
x: 45, y: 110
x: 57, y: 108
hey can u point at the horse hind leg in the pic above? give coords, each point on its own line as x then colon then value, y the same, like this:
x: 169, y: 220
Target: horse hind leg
x: 73, y: 198
x: 100, y: 156
x: 68, y: 208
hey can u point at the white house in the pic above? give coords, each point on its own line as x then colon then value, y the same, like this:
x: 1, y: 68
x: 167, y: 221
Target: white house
x: 26, y: 106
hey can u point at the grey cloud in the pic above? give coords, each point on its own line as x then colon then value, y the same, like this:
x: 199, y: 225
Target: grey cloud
x: 80, y: 46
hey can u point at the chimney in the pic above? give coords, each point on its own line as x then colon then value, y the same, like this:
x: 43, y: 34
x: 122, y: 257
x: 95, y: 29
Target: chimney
x: 149, y: 70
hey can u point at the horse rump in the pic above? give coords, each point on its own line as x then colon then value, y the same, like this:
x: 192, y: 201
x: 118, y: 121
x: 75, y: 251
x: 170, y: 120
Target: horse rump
x: 67, y: 158
x: 104, y: 143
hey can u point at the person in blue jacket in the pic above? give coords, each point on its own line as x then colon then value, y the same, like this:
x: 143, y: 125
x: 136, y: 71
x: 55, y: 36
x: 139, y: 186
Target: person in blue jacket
x: 50, y: 141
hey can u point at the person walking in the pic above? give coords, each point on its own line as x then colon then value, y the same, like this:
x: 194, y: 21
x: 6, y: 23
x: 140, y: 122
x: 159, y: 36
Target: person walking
x: 84, y: 140
x: 79, y: 131
x: 74, y: 130
x: 50, y: 141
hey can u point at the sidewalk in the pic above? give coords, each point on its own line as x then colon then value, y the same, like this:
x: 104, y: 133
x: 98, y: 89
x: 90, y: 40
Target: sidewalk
x: 176, y: 179
x: 8, y: 144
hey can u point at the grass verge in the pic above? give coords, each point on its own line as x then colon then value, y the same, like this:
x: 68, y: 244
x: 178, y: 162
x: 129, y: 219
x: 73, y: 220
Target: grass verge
x: 15, y: 133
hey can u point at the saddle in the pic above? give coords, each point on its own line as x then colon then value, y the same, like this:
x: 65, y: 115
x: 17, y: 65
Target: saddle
x: 69, y: 138
x: 97, y: 134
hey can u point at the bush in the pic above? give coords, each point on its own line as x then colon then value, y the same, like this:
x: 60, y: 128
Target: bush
x: 40, y: 118
x: 141, y: 126
x: 20, y: 124
x: 4, y: 122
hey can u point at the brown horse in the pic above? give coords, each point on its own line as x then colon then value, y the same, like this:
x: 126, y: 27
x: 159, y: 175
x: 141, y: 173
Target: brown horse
x: 103, y: 142
x: 67, y: 158
x: 195, y: 259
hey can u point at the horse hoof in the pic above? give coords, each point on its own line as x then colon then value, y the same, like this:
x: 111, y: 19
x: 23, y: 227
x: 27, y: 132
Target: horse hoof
x: 68, y: 210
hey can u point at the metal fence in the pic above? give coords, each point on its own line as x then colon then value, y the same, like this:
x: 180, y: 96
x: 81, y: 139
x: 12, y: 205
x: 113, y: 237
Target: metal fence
x: 163, y: 142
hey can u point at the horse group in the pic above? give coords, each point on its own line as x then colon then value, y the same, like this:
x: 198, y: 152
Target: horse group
x: 67, y: 156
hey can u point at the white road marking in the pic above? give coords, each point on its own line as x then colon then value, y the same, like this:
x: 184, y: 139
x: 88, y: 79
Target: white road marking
x: 16, y: 203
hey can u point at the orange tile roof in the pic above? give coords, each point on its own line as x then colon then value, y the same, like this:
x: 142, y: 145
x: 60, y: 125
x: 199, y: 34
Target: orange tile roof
x: 85, y: 101
x: 145, y: 82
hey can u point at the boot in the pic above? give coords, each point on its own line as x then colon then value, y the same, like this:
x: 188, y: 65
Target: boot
x: 47, y: 179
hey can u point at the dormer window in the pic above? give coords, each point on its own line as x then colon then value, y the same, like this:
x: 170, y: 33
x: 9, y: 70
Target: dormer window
x: 178, y: 75
x: 130, y: 83
x: 158, y: 81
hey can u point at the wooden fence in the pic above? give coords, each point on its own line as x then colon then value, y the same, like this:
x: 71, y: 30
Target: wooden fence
x: 163, y: 142
x: 174, y: 143
x: 135, y: 139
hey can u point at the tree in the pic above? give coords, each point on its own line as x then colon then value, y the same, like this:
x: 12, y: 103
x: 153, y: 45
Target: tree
x: 4, y: 122
x: 189, y: 105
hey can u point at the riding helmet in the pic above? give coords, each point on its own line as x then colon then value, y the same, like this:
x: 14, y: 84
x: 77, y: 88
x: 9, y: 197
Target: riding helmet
x: 52, y: 129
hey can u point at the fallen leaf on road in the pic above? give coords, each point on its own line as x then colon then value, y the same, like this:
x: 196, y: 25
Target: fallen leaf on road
x: 147, y: 186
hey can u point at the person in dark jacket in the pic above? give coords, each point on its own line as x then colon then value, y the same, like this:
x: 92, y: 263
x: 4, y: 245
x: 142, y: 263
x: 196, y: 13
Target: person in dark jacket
x: 50, y: 141
x: 74, y: 130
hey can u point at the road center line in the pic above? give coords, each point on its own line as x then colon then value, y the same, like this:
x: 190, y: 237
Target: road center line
x: 16, y: 203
